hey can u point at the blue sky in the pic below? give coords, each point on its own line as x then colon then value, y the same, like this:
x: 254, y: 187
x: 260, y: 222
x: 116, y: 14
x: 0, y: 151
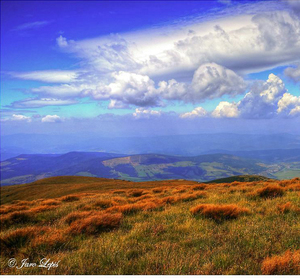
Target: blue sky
x: 181, y: 64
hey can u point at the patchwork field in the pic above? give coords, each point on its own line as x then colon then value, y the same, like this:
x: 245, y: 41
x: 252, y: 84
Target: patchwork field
x: 89, y: 225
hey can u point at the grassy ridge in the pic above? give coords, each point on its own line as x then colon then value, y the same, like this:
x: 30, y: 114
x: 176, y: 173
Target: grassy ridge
x: 171, y: 227
x: 60, y: 186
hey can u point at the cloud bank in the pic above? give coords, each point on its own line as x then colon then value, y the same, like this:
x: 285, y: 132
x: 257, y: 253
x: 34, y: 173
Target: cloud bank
x: 188, y: 62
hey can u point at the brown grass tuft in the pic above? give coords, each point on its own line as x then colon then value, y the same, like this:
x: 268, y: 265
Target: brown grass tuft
x: 286, y: 264
x: 11, y: 208
x: 136, y: 192
x: 119, y: 192
x: 285, y: 208
x: 199, y: 187
x: 95, y: 224
x: 50, y: 202
x: 120, y: 200
x: 17, y: 217
x: 23, y: 203
x: 54, y: 240
x: 70, y: 198
x: 191, y: 197
x: 150, y: 206
x: 157, y: 190
x: 42, y: 208
x: 294, y: 187
x: 270, y: 191
x: 104, y: 203
x: 127, y: 209
x: 73, y: 216
x: 179, y: 190
x: 147, y: 196
x: 168, y: 200
x: 13, y: 240
x: 219, y: 212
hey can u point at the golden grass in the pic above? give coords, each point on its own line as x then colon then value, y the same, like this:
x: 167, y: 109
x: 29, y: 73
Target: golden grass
x: 50, y: 202
x: 119, y: 192
x: 219, y: 212
x: 42, y: 208
x: 294, y: 187
x: 168, y: 200
x: 285, y: 208
x: 157, y: 190
x: 21, y: 217
x: 70, y: 198
x: 199, y: 187
x: 143, y: 197
x: 286, y: 264
x: 153, y: 233
x: 104, y: 203
x: 13, y: 240
x: 120, y: 200
x: 270, y: 191
x: 96, y: 223
x: 136, y: 193
x: 73, y: 216
x: 11, y: 208
x: 192, y: 196
x: 127, y: 209
x: 53, y: 240
x: 179, y: 190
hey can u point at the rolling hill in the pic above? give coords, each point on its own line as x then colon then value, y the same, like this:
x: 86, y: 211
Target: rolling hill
x: 144, y: 167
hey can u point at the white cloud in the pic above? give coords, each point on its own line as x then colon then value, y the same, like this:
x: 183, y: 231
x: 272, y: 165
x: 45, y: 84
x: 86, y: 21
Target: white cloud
x: 213, y: 81
x: 41, y: 102
x: 127, y: 88
x: 51, y: 119
x: 261, y: 101
x: 209, y: 54
x: 117, y: 104
x: 265, y: 41
x: 173, y: 90
x: 16, y: 117
x: 243, y: 43
x: 196, y: 113
x: 288, y: 103
x: 31, y: 25
x: 295, y: 111
x: 266, y: 100
x: 274, y: 88
x: 49, y: 76
x: 141, y: 113
x: 226, y: 110
x: 62, y: 91
x: 209, y: 81
x: 62, y: 42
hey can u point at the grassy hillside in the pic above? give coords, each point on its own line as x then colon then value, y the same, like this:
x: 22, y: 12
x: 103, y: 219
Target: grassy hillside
x: 245, y: 178
x: 100, y: 226
x: 145, y: 167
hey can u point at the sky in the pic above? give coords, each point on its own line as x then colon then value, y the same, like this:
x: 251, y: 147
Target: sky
x: 150, y: 67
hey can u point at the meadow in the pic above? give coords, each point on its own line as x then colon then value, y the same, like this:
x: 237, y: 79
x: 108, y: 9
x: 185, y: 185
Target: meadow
x: 106, y: 226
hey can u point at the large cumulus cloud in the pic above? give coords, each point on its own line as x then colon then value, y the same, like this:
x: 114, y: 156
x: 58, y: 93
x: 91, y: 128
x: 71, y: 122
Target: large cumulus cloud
x: 269, y: 99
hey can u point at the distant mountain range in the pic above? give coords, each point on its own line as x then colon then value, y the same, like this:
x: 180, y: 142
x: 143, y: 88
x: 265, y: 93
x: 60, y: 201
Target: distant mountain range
x: 184, y: 145
x: 279, y: 164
